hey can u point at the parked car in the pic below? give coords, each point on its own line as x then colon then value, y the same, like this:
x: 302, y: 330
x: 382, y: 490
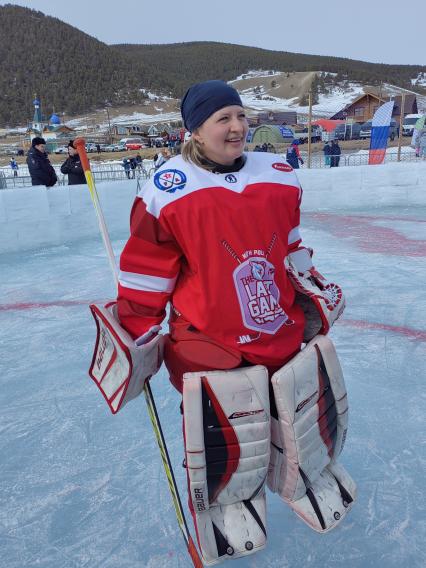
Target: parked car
x: 365, y: 131
x: 409, y: 123
x: 135, y: 143
x: 302, y: 135
x: 61, y: 150
x: 119, y: 147
x: 114, y: 148
x: 347, y: 131
x: 90, y: 147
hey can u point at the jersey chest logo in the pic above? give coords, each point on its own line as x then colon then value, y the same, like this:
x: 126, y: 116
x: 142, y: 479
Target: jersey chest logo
x: 258, y: 295
x: 170, y: 180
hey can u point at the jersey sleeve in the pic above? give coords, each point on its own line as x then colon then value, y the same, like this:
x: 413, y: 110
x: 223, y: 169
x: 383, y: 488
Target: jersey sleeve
x: 149, y: 268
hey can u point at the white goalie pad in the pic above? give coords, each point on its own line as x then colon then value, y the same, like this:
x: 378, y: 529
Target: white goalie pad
x: 120, y: 367
x: 227, y: 444
x: 322, y: 302
x: 308, y: 434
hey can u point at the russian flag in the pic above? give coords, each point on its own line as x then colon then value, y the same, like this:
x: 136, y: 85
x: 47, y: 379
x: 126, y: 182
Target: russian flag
x: 379, y: 133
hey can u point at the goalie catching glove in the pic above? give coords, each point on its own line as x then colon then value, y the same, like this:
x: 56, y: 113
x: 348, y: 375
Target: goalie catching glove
x: 322, y: 302
x: 121, y: 365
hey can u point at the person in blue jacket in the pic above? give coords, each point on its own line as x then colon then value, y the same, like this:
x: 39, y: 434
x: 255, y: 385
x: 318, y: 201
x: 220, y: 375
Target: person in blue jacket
x: 39, y: 166
x: 293, y: 156
x: 327, y: 153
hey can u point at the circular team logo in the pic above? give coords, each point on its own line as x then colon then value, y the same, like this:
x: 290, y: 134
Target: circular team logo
x: 282, y: 167
x: 230, y: 178
x: 170, y: 180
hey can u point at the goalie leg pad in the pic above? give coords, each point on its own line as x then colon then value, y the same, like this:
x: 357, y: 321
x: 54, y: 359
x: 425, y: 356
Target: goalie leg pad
x: 227, y: 445
x: 308, y: 434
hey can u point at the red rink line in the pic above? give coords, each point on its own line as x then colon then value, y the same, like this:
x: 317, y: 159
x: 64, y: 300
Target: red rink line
x: 416, y: 334
x: 41, y: 305
x: 370, y: 237
x: 360, y: 324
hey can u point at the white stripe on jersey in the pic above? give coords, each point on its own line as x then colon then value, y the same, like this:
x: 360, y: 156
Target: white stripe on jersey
x: 294, y: 235
x: 146, y: 282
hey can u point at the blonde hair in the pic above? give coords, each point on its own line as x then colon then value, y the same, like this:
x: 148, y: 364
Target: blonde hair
x: 192, y: 151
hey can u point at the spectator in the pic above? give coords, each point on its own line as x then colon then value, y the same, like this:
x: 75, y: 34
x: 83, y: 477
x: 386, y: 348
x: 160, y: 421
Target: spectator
x: 14, y: 166
x: 72, y: 166
x: 162, y: 158
x: 335, y: 152
x: 293, y: 156
x: 327, y: 153
x: 133, y: 165
x: 98, y: 148
x: 39, y: 166
x: 138, y: 159
x: 126, y: 166
x: 421, y: 143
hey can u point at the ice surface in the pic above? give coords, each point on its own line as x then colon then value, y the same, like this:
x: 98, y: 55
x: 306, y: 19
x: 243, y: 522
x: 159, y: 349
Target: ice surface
x: 80, y: 488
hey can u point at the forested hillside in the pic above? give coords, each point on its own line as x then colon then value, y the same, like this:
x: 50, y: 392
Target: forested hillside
x: 181, y: 64
x: 75, y: 73
x: 70, y: 70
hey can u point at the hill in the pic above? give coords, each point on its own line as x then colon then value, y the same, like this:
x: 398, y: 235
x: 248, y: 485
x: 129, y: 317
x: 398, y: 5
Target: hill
x: 75, y: 73
x: 71, y: 70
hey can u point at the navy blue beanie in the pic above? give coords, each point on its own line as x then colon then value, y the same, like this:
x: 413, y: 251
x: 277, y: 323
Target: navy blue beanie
x: 203, y: 99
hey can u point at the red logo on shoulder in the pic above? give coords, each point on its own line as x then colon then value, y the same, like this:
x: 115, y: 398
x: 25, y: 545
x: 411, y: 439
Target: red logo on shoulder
x: 282, y: 167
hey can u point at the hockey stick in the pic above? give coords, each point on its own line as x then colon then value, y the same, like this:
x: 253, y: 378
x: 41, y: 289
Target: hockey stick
x: 80, y: 145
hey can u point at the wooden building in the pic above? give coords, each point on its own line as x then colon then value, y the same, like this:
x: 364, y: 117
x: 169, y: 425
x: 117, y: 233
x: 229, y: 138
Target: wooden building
x: 363, y: 108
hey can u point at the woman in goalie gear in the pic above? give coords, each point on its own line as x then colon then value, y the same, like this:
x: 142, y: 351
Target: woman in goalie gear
x: 215, y: 233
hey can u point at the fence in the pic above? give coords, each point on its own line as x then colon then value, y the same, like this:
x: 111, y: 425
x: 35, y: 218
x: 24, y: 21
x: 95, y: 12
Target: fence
x: 100, y: 173
x: 115, y: 172
x: 357, y: 159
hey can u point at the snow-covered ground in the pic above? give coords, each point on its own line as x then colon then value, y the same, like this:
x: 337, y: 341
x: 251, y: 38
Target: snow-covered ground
x: 80, y: 488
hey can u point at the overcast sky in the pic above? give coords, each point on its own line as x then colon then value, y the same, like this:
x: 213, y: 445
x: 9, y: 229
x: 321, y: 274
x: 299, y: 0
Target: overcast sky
x: 381, y: 31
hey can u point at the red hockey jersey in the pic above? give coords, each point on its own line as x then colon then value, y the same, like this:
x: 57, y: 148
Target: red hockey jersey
x: 214, y: 245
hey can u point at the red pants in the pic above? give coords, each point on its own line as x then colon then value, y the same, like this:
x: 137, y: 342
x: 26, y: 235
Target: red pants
x: 188, y: 350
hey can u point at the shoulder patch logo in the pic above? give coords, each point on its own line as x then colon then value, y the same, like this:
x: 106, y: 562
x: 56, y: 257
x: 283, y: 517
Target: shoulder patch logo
x: 170, y: 180
x: 282, y: 167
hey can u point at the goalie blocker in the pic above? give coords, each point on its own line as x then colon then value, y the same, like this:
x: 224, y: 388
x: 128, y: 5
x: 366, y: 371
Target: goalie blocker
x: 227, y: 446
x: 309, y: 426
x: 119, y: 366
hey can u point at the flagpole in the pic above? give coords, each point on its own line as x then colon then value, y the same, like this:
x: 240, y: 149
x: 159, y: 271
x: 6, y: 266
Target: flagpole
x: 309, y: 128
x: 401, y: 120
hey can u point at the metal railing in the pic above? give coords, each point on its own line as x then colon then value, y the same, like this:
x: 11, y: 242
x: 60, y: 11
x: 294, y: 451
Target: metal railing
x: 115, y: 172
x: 100, y: 174
x: 357, y: 159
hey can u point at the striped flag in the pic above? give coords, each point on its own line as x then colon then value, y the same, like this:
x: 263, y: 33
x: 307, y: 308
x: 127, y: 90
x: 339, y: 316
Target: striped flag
x: 379, y: 133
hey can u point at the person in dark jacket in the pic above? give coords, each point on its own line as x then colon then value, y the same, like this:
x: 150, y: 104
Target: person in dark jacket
x: 327, y: 153
x: 72, y: 166
x: 39, y: 166
x: 293, y: 156
x: 335, y: 154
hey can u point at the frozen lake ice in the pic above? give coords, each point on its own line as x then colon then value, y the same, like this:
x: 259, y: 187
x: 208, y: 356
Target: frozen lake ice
x: 80, y: 488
